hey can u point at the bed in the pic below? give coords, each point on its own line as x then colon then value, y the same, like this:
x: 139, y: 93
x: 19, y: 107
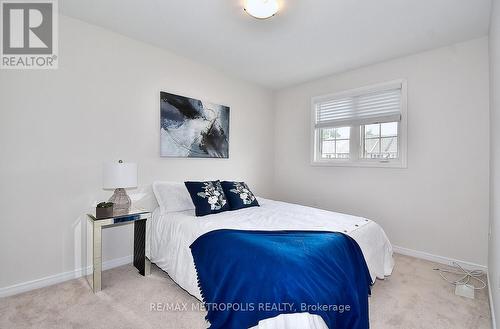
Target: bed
x: 171, y: 234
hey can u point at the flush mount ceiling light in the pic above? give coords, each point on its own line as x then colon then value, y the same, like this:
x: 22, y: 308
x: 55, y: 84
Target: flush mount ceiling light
x: 261, y: 9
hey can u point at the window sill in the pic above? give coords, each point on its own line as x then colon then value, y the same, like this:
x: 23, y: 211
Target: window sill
x: 359, y: 164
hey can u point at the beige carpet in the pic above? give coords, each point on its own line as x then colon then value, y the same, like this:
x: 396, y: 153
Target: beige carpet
x: 413, y: 297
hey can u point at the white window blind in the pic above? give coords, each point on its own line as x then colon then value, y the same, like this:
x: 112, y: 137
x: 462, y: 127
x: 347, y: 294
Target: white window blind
x: 375, y: 106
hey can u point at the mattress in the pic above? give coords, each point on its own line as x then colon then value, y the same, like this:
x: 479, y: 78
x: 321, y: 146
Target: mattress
x: 172, y: 233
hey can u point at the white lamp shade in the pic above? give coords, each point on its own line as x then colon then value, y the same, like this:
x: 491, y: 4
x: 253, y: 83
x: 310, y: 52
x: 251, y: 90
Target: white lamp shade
x: 119, y: 175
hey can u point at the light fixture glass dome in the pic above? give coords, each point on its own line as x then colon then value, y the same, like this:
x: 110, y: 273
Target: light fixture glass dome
x: 261, y: 8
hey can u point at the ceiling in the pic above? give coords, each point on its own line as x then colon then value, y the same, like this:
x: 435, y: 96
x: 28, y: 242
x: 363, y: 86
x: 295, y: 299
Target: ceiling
x: 307, y: 39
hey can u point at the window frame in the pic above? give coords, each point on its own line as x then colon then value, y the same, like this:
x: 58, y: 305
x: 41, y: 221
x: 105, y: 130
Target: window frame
x: 363, y: 140
x: 355, y: 145
x: 320, y: 145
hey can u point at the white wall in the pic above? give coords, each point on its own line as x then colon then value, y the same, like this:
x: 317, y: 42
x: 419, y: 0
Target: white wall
x: 57, y: 127
x: 439, y: 204
x: 494, y: 247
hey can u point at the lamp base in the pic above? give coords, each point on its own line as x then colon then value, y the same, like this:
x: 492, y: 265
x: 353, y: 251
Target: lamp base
x: 121, y: 201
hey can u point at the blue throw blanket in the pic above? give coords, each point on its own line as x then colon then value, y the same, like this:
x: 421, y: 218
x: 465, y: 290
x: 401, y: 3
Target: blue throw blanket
x: 248, y: 276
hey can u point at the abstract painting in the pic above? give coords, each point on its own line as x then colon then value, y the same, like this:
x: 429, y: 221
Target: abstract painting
x: 191, y: 128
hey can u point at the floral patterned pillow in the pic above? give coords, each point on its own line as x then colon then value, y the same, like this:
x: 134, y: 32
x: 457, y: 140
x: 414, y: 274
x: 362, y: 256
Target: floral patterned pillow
x: 208, y: 197
x: 239, y: 195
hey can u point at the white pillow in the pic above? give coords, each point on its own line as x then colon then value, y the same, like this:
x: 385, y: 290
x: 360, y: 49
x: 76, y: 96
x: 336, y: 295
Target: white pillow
x: 172, y: 196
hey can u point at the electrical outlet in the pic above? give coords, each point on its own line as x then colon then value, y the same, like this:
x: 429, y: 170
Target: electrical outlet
x: 464, y: 290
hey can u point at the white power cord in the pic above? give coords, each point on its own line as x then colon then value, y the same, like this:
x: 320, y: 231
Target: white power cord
x: 467, y: 276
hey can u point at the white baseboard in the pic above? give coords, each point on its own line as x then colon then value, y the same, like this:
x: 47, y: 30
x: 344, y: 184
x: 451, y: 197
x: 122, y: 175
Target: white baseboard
x: 65, y: 276
x: 492, y: 309
x: 61, y: 277
x: 438, y: 259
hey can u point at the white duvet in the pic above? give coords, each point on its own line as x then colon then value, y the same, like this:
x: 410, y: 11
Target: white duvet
x: 172, y: 233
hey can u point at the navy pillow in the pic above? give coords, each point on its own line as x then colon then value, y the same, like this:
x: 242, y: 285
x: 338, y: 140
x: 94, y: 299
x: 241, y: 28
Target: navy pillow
x: 208, y: 197
x: 239, y: 195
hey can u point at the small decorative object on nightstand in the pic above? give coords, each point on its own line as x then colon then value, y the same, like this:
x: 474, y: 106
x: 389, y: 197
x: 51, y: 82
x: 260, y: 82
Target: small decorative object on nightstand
x: 136, y: 216
x: 104, y: 210
x: 119, y: 176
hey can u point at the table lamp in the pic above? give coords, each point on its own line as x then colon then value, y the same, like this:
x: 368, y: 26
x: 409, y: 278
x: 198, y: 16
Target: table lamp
x: 119, y: 176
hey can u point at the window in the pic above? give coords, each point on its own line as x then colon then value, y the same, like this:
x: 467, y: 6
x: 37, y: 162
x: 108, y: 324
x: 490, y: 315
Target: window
x: 335, y: 143
x: 380, y: 141
x: 363, y: 127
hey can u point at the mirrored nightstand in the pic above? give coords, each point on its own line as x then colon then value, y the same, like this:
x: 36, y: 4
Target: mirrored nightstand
x: 133, y: 216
